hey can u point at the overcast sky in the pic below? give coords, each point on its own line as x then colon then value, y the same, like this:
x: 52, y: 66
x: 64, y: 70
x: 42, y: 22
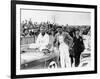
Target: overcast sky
x: 70, y: 18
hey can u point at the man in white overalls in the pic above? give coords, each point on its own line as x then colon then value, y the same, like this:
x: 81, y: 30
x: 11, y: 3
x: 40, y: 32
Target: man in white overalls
x: 63, y: 49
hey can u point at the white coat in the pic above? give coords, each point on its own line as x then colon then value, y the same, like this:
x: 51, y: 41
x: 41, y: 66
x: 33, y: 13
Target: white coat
x: 42, y: 41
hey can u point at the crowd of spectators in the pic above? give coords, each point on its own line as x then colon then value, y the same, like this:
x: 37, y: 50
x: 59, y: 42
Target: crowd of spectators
x: 31, y: 29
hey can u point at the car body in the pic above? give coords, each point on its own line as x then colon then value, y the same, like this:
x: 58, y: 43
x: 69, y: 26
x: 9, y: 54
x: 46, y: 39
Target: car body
x: 85, y: 59
x: 34, y: 59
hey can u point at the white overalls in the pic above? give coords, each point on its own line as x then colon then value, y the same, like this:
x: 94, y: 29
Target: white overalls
x: 64, y: 53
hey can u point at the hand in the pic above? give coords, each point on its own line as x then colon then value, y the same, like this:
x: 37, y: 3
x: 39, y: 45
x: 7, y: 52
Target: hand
x: 45, y: 51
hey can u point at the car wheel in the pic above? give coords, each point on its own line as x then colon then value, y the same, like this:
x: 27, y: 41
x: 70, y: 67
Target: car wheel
x: 52, y: 65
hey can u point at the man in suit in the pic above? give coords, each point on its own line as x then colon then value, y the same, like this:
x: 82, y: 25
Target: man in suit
x: 78, y: 47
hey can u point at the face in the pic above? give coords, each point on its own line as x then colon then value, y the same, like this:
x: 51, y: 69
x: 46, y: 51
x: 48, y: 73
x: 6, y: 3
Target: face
x: 81, y: 32
x: 77, y: 33
x: 60, y: 31
x: 52, y: 32
x: 42, y: 31
x: 25, y: 21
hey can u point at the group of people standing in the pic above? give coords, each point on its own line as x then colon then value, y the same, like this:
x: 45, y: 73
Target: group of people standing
x: 69, y: 44
x: 69, y: 47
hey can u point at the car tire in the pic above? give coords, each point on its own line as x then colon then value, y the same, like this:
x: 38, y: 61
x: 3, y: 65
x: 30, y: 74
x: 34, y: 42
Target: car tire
x: 52, y: 65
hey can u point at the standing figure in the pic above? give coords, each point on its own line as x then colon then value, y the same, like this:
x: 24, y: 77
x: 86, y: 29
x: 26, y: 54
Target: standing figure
x: 78, y: 47
x: 42, y: 40
x: 63, y: 49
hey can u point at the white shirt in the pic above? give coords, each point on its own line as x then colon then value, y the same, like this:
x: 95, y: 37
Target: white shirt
x: 61, y: 39
x: 42, y: 41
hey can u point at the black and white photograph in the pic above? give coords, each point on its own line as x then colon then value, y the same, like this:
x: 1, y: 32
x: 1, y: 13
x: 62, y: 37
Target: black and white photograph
x: 54, y: 39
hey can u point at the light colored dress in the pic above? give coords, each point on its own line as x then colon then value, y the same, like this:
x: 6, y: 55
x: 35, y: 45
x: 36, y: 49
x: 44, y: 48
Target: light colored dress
x: 64, y: 53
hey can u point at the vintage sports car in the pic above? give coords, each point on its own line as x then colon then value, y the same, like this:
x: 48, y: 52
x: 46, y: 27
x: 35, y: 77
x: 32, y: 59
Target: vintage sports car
x: 35, y: 59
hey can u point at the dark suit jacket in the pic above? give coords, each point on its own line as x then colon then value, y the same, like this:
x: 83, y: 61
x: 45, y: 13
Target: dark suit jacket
x: 78, y: 45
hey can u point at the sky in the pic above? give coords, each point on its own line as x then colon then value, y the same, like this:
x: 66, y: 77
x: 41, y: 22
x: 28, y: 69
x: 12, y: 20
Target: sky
x: 60, y: 17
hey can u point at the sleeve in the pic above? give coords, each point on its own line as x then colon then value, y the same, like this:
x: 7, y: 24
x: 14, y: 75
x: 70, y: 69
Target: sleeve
x: 68, y: 39
x: 82, y: 47
x: 46, y: 40
x: 56, y: 40
x: 44, y: 43
x: 38, y: 39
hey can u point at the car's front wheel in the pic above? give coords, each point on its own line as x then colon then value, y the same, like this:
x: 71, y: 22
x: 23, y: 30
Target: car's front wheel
x: 52, y: 64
